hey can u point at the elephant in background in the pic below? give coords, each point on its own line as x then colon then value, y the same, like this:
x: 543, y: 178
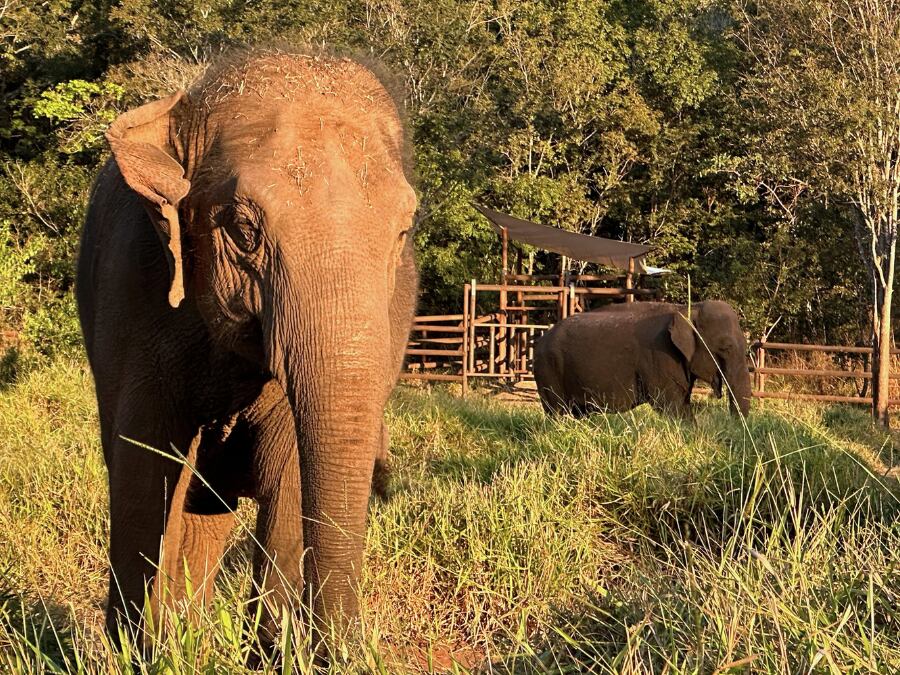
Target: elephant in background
x: 624, y: 355
x: 246, y: 285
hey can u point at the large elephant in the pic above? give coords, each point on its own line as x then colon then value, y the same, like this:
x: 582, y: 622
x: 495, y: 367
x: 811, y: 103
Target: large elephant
x: 644, y: 352
x: 246, y: 286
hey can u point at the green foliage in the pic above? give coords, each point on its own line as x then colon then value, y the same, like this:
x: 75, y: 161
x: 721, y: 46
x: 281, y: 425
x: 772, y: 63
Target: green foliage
x: 623, y: 119
x: 85, y: 108
x: 822, y: 93
x: 41, y: 211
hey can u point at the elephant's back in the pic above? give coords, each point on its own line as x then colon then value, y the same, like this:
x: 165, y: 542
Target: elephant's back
x: 593, y: 325
x: 614, y: 324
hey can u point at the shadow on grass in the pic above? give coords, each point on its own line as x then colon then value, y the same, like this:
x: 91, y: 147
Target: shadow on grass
x: 767, y: 472
x: 682, y: 627
x: 777, y: 474
x: 480, y: 436
x: 37, y: 632
x: 10, y: 365
x: 477, y: 436
x: 854, y: 424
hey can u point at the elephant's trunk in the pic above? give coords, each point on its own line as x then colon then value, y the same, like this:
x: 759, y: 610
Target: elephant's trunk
x: 334, y: 359
x: 739, y: 389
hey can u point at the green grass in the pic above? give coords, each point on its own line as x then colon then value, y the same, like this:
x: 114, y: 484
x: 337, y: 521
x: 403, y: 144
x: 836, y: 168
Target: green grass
x: 512, y: 543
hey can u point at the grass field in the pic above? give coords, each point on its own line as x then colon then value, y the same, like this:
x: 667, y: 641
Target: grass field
x: 513, y: 543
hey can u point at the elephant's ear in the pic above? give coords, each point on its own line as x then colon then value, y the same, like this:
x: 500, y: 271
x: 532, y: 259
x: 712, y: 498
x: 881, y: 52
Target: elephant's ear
x: 141, y: 142
x: 682, y: 334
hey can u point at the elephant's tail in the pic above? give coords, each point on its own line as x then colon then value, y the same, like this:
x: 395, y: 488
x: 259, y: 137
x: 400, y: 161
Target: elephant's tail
x: 381, y: 473
x: 381, y: 478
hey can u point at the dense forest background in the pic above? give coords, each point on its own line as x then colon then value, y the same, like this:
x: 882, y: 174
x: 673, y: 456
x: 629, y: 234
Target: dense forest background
x: 631, y: 119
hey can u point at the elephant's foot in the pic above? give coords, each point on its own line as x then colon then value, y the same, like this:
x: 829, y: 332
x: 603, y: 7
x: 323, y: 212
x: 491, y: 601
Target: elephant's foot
x: 277, y: 605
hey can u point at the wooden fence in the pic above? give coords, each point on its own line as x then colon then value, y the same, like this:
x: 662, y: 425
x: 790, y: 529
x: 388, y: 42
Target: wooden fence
x: 762, y: 349
x: 459, y: 347
x: 437, y: 349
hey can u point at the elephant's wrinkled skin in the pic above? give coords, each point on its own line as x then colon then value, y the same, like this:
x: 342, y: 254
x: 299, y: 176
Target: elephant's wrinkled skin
x: 644, y: 352
x: 246, y: 287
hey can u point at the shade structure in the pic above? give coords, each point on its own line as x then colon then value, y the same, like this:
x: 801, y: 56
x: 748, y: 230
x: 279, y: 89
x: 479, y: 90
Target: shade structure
x: 577, y: 246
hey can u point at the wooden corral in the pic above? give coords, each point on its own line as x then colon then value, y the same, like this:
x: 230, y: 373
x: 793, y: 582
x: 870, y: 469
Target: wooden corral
x: 460, y: 347
x: 495, y: 334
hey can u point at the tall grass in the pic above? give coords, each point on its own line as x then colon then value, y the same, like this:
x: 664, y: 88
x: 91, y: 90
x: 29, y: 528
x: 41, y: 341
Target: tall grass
x: 512, y: 543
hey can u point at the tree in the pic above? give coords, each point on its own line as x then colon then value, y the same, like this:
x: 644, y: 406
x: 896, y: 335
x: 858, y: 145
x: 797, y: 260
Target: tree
x: 822, y: 87
x: 614, y: 117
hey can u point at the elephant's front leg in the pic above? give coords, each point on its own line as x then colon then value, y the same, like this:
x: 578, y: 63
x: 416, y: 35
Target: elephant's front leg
x: 201, y: 516
x: 278, y: 563
x: 141, y: 489
x: 137, y: 526
x: 673, y: 397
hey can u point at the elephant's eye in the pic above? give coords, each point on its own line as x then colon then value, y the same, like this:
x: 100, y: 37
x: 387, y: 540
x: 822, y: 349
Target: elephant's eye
x: 241, y: 226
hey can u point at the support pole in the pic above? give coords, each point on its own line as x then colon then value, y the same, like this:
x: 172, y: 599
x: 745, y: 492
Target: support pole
x: 629, y: 280
x: 522, y: 318
x: 561, y: 312
x: 503, y: 336
x: 492, y: 352
x: 530, y: 343
x: 504, y: 254
x: 472, y: 312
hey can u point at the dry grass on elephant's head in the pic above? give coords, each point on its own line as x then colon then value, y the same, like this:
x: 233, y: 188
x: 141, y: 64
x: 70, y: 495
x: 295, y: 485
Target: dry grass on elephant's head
x: 307, y: 116
x: 324, y: 77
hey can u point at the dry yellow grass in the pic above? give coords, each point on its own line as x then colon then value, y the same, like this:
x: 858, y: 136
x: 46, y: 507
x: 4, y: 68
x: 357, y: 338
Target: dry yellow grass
x: 513, y: 543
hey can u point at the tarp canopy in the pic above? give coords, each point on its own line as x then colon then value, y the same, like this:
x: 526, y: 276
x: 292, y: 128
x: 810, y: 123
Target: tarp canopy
x: 577, y: 246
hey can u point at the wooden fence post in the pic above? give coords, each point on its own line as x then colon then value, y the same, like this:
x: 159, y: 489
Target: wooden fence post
x: 504, y: 302
x: 561, y: 312
x: 472, y: 313
x: 760, y: 364
x: 465, y: 342
x: 519, y: 355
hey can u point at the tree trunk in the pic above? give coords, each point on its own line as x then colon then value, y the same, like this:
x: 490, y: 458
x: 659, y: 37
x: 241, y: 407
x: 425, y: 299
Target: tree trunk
x: 881, y: 348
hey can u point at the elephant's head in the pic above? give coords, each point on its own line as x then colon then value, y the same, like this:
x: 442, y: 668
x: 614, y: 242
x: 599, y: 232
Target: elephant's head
x: 277, y: 187
x: 713, y: 345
